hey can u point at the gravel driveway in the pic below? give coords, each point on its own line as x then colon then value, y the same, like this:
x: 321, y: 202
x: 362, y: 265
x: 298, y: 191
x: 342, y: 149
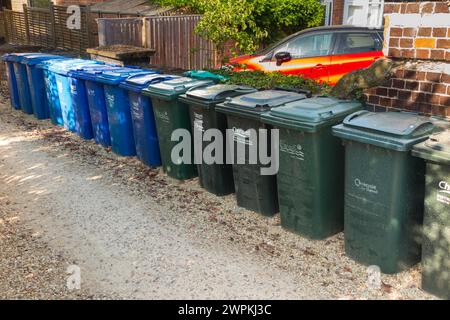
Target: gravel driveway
x: 135, y: 233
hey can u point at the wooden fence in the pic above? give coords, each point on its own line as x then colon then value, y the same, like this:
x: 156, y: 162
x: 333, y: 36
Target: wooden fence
x: 173, y: 37
x: 47, y: 27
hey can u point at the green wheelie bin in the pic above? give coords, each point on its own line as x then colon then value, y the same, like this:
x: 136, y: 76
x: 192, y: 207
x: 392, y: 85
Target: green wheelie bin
x: 311, y: 174
x: 436, y: 222
x: 384, y: 187
x: 254, y: 190
x: 215, y: 177
x: 170, y: 115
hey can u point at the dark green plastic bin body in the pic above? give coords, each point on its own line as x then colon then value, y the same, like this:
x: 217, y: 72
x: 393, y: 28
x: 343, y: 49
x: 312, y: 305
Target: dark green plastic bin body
x: 254, y: 191
x: 436, y: 222
x: 171, y: 114
x: 384, y: 188
x: 217, y: 178
x: 311, y: 174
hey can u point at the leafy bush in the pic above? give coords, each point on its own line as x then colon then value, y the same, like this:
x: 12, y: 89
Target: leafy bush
x: 251, y: 23
x: 262, y: 80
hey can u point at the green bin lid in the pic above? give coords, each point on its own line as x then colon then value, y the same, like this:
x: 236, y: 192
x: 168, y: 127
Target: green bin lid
x: 211, y: 95
x: 392, y: 130
x: 311, y: 114
x: 436, y: 148
x: 252, y: 105
x: 173, y: 88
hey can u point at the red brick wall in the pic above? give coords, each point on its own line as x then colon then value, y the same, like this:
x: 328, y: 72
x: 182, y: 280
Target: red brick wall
x: 426, y: 92
x: 419, y: 34
x: 338, y: 12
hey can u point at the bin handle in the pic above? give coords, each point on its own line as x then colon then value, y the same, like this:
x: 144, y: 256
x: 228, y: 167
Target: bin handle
x: 352, y: 116
x: 308, y: 93
x: 197, y: 87
x: 326, y: 114
x: 244, y: 90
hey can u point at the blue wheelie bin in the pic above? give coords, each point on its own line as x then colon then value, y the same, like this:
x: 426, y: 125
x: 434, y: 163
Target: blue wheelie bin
x: 77, y: 78
x: 113, y: 110
x: 51, y: 91
x: 144, y: 127
x: 12, y: 83
x: 60, y: 69
x: 23, y: 85
x: 36, y: 83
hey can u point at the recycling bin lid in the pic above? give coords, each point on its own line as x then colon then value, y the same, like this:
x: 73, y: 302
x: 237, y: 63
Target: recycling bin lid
x: 47, y: 63
x: 252, y: 105
x: 91, y: 72
x: 7, y: 57
x: 435, y: 149
x: 114, y: 77
x: 138, y: 82
x: 311, y: 114
x: 62, y: 67
x: 33, y: 60
x: 398, y: 131
x: 17, y: 57
x: 208, y: 95
x: 173, y: 88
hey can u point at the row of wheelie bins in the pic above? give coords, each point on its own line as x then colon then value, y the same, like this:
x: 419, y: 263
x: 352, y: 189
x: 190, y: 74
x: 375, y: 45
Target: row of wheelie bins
x: 384, y: 178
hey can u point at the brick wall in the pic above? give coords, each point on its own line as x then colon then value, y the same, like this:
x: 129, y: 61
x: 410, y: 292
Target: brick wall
x: 414, y: 88
x: 338, y: 12
x: 417, y: 33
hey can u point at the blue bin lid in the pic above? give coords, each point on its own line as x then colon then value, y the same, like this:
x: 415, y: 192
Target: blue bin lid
x: 115, y: 77
x: 140, y: 81
x: 8, y: 57
x: 64, y: 66
x: 91, y: 72
x: 47, y: 63
x: 32, y: 60
x: 17, y: 57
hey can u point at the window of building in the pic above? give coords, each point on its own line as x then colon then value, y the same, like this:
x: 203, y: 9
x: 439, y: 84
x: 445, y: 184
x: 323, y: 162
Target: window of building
x: 367, y: 13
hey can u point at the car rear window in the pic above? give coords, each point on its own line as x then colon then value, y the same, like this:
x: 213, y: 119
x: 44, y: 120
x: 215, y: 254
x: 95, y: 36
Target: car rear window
x: 358, y: 43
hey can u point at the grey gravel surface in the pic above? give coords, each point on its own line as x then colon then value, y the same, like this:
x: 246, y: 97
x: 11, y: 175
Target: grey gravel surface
x: 135, y: 233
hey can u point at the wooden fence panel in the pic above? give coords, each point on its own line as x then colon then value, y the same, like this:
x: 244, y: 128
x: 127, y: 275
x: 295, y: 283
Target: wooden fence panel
x: 40, y: 27
x: 47, y: 27
x: 127, y: 31
x: 176, y: 43
x: 15, y: 26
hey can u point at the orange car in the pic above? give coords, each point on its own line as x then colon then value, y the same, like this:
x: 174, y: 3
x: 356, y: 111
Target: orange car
x: 324, y: 54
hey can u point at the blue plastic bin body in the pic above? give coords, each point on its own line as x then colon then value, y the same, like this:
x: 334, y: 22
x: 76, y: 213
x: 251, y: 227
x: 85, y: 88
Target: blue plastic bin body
x: 12, y: 83
x: 36, y: 82
x: 98, y: 113
x: 143, y: 120
x: 60, y: 70
x: 23, y: 86
x: 79, y: 96
x: 118, y: 110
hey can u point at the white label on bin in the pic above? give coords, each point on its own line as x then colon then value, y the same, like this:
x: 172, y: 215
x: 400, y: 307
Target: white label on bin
x: 162, y: 115
x: 73, y: 88
x: 366, y: 187
x: 198, y: 122
x: 443, y: 195
x: 242, y: 136
x: 294, y: 150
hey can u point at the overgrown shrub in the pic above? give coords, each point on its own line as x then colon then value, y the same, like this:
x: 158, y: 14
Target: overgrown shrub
x: 262, y: 80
